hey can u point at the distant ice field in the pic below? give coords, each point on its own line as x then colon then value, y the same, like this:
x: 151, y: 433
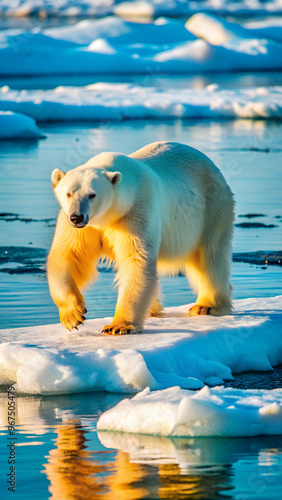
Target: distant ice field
x: 116, y: 46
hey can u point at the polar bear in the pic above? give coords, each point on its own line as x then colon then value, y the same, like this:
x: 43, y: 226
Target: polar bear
x: 165, y: 208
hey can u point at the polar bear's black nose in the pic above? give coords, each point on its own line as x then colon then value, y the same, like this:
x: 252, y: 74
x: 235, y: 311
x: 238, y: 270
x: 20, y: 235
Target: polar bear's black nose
x: 76, y: 219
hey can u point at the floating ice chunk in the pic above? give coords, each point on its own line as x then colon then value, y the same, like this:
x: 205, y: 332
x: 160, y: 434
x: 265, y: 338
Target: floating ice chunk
x: 101, y: 46
x: 18, y: 126
x: 135, y: 9
x: 210, y: 412
x: 210, y: 28
x: 212, y: 87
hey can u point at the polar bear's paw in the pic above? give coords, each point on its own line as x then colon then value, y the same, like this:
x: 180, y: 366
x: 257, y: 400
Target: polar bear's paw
x: 156, y: 310
x: 72, y: 314
x: 198, y: 310
x: 121, y: 328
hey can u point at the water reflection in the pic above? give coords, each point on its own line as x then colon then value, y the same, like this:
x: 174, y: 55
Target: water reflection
x: 71, y: 469
x: 70, y: 461
x: 203, y: 468
x: 152, y: 467
x: 179, y: 468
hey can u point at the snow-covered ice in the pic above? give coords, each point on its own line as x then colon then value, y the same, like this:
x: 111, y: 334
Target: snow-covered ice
x: 209, y: 412
x: 18, y: 126
x: 127, y: 101
x: 115, y: 46
x: 173, y: 350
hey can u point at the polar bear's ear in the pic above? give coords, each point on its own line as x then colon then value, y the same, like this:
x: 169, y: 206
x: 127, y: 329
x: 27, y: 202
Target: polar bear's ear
x: 114, y: 177
x: 56, y: 176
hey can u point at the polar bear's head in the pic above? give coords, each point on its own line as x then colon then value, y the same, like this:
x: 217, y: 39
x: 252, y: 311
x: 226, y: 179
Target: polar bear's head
x: 85, y: 193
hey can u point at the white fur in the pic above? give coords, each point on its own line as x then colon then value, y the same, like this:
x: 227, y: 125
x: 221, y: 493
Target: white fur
x: 165, y: 207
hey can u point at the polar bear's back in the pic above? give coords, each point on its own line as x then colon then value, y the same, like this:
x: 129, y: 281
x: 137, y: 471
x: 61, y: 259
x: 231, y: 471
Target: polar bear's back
x: 177, y: 163
x: 192, y: 192
x: 174, y: 161
x: 171, y: 155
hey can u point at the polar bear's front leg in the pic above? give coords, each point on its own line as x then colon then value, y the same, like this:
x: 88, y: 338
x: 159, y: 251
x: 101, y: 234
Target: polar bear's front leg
x: 71, y: 265
x: 137, y: 280
x: 65, y: 293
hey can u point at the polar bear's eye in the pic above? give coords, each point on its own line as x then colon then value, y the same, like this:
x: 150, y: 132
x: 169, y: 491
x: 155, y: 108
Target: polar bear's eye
x: 91, y: 196
x: 68, y: 195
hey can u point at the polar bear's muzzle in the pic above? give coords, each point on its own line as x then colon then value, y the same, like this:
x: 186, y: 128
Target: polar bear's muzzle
x: 78, y: 220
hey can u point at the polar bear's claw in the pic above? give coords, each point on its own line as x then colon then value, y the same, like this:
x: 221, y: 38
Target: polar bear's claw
x: 71, y: 315
x: 198, y: 310
x: 118, y: 330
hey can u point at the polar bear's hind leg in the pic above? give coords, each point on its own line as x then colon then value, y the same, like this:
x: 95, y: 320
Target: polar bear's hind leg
x: 156, y: 308
x: 208, y: 270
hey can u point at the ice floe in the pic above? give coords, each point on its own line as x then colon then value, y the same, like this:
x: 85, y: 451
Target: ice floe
x: 116, y: 46
x: 18, y: 126
x: 209, y: 412
x: 109, y: 101
x: 173, y: 350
